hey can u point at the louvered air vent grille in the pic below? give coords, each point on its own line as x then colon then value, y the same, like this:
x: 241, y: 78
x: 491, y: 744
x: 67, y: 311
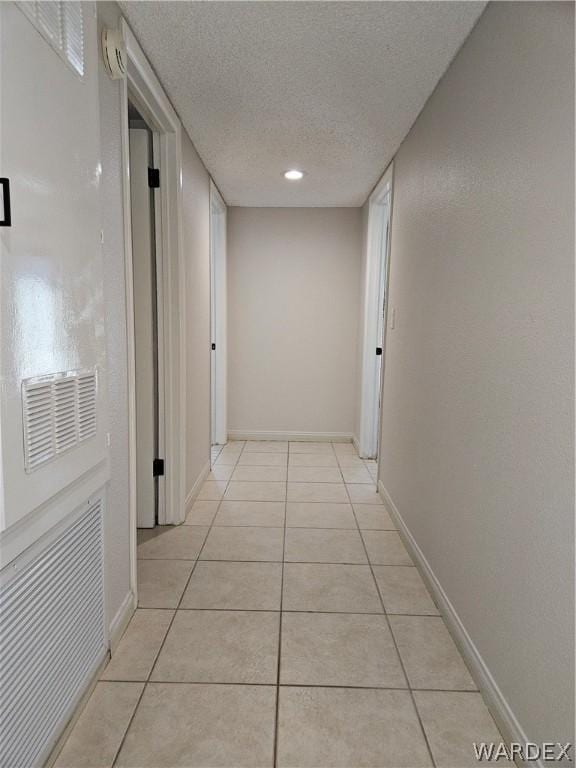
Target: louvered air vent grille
x: 60, y: 22
x: 59, y: 412
x: 51, y: 638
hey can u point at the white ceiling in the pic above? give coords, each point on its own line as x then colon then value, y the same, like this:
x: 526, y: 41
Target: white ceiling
x: 328, y: 87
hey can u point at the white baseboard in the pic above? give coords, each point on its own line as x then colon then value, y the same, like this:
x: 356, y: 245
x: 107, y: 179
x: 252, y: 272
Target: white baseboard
x: 356, y: 443
x: 195, y: 490
x: 121, y: 620
x: 503, y: 714
x: 315, y: 437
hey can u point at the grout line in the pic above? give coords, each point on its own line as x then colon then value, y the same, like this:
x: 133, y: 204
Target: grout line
x: 288, y: 562
x: 277, y: 712
x: 396, y: 647
x: 302, y: 685
x: 147, y: 681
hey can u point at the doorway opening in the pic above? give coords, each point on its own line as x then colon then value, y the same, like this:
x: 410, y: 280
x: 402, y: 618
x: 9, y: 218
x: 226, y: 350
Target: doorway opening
x: 375, y: 315
x: 141, y: 89
x: 218, y: 299
x: 144, y: 181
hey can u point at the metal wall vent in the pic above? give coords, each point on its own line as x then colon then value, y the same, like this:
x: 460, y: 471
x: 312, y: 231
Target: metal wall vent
x: 52, y: 637
x: 60, y: 23
x: 59, y: 412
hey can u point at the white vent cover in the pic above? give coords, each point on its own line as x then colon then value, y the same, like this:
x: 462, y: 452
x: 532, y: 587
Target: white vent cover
x: 52, y: 637
x: 62, y: 25
x: 59, y: 412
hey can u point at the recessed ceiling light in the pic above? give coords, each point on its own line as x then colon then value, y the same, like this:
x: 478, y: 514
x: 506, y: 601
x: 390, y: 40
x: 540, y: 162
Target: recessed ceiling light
x: 293, y: 175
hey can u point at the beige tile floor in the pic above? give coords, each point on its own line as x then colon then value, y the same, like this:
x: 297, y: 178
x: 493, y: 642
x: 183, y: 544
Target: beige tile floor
x: 283, y: 625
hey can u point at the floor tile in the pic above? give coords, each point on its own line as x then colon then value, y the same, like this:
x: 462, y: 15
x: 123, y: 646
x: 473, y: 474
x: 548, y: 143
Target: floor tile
x: 371, y: 517
x: 310, y: 447
x: 171, y: 542
x: 331, y: 492
x: 267, y: 513
x: 363, y: 493
x: 429, y: 654
x: 136, y: 653
x: 266, y: 446
x: 320, y: 587
x: 343, y: 649
x: 202, y: 513
x: 244, y: 543
x: 212, y: 490
x: 386, y: 548
x: 263, y: 459
x: 312, y: 460
x: 356, y: 475
x: 97, y: 736
x: 348, y: 728
x: 453, y: 722
x: 314, y: 474
x: 235, y: 586
x: 202, y: 726
x: 303, y: 514
x: 345, y: 449
x: 227, y: 459
x: 220, y: 647
x: 161, y: 582
x: 260, y: 474
x: 314, y: 545
x: 349, y: 460
x: 255, y: 491
x: 403, y: 590
x: 221, y: 472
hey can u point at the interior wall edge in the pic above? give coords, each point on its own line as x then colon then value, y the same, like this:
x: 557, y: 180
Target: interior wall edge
x: 121, y: 620
x: 195, y: 490
x: 499, y: 707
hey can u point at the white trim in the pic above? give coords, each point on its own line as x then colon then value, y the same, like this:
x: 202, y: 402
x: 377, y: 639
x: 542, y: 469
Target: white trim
x: 152, y: 101
x: 356, y: 443
x: 315, y: 437
x: 501, y: 710
x: 218, y: 321
x: 374, y: 321
x: 195, y: 490
x: 120, y: 621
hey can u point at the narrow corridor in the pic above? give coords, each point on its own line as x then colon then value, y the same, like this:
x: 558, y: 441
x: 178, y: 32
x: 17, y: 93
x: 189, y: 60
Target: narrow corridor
x: 283, y: 624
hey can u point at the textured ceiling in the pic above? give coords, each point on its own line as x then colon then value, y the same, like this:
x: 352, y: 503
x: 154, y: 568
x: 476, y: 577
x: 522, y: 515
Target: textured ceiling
x: 328, y: 87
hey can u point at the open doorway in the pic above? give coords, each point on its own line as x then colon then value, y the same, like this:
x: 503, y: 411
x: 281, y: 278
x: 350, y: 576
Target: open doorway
x: 144, y: 180
x: 219, y: 428
x: 375, y: 314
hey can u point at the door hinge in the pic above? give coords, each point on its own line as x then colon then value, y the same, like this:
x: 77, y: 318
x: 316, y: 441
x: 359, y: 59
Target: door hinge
x: 378, y: 350
x: 153, y: 178
x: 158, y: 468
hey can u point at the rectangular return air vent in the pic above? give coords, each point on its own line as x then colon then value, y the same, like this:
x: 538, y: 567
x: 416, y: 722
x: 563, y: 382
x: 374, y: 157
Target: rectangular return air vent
x: 59, y: 412
x: 52, y: 637
x: 61, y: 24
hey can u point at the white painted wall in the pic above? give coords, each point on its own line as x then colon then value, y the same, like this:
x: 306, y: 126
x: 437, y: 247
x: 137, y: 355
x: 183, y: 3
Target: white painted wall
x: 196, y: 231
x: 293, y: 308
x: 477, y: 450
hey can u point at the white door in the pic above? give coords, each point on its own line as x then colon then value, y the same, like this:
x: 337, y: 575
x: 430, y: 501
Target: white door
x: 144, y: 268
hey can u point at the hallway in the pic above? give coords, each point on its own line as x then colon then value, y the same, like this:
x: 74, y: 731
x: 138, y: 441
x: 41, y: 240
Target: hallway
x: 287, y: 440
x: 283, y: 624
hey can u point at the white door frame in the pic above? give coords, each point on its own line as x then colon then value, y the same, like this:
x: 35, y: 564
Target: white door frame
x: 375, y: 311
x: 218, y: 301
x: 142, y: 86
